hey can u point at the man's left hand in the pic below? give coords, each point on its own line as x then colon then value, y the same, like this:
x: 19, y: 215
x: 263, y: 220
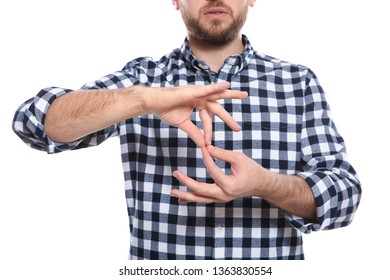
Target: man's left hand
x: 246, y: 180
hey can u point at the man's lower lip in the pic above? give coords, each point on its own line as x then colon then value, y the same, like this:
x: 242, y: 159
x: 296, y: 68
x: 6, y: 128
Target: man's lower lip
x: 215, y: 15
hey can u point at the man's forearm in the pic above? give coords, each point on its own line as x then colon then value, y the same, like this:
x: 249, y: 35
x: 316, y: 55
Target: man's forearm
x: 290, y: 193
x: 82, y: 112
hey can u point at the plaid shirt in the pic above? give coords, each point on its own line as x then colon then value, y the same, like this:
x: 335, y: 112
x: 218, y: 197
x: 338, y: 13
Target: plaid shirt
x: 286, y: 127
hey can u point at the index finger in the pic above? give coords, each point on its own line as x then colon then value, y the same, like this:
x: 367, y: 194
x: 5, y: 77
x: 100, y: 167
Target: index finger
x: 218, y: 110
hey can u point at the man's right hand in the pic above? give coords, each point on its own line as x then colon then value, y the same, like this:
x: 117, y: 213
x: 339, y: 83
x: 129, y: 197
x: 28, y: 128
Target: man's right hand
x: 175, y: 106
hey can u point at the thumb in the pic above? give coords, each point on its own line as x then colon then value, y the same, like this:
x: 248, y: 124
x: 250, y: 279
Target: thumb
x: 221, y: 154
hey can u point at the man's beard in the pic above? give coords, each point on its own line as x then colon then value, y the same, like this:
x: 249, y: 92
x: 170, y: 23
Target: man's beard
x: 215, y: 34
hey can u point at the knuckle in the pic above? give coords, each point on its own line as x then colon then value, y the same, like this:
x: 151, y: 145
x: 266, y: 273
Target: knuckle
x: 230, y: 192
x: 226, y: 199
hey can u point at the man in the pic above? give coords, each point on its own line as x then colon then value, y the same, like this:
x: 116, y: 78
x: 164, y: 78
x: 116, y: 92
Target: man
x: 253, y: 166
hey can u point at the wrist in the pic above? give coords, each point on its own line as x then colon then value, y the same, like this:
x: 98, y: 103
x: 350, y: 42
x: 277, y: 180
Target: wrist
x: 134, y: 101
x: 142, y: 95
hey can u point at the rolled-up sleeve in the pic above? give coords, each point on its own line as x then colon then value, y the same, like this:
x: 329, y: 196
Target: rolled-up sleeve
x: 325, y: 167
x: 29, y: 119
x: 28, y: 122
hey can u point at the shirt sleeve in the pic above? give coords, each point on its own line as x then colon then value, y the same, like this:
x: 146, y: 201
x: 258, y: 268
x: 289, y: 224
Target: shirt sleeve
x: 28, y: 122
x: 325, y: 167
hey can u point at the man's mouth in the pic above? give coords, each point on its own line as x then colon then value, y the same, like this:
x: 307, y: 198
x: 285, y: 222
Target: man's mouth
x: 215, y: 11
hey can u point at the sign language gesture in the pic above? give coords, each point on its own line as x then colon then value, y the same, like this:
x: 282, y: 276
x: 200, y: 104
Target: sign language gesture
x: 248, y: 178
x: 175, y: 106
x: 242, y: 182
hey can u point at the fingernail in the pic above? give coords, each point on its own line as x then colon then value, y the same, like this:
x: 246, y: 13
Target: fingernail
x: 210, y: 148
x: 182, y: 201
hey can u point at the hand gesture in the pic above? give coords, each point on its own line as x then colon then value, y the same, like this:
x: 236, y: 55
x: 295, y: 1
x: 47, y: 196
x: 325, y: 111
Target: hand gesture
x: 290, y: 193
x: 175, y: 106
x: 246, y: 180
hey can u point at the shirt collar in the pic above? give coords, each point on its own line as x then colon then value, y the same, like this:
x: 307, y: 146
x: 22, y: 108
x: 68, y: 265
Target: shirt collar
x: 239, y: 60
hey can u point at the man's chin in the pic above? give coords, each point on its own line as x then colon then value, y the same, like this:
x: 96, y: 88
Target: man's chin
x: 215, y: 34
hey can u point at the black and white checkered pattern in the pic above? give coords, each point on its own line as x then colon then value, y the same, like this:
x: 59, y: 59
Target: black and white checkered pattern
x: 286, y: 127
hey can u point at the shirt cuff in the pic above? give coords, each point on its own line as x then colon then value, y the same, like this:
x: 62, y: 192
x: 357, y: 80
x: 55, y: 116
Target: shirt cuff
x: 302, y: 224
x: 326, y: 199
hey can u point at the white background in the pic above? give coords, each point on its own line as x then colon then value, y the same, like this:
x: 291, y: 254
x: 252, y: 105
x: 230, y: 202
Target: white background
x: 64, y: 216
